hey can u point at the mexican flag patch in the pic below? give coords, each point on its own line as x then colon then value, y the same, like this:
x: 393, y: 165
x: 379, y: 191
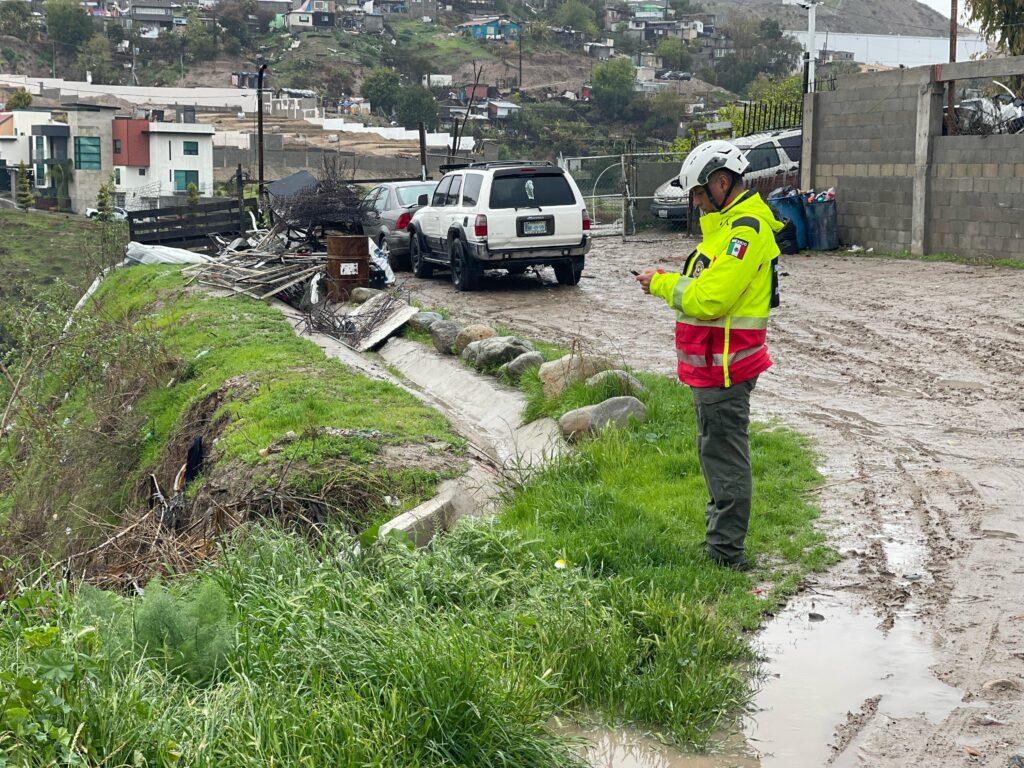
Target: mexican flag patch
x: 737, y: 248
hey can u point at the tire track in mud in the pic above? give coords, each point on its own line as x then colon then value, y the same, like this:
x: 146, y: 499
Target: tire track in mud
x: 909, y: 376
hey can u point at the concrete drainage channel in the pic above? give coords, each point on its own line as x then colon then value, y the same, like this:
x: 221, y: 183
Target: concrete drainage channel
x: 489, y: 416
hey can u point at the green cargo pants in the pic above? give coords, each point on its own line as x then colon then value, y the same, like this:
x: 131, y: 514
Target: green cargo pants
x: 723, y: 450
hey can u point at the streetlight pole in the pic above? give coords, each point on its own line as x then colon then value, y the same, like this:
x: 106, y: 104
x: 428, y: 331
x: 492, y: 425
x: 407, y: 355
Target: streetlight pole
x: 259, y: 124
x: 810, y: 50
x: 951, y: 86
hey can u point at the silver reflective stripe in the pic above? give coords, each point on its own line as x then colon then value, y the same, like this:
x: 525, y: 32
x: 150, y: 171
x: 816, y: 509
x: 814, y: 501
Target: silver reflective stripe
x: 700, y: 361
x: 677, y: 292
x: 742, y: 323
x: 737, y: 356
x: 696, y: 361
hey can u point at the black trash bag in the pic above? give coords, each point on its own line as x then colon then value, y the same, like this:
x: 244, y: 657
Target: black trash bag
x: 786, y: 238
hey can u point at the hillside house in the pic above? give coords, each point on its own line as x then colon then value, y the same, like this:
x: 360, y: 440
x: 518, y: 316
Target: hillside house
x: 568, y: 38
x: 311, y: 14
x: 498, y: 109
x: 436, y: 81
x: 149, y: 18
x: 600, y: 51
x: 155, y: 160
x: 75, y: 136
x: 491, y: 28
x: 614, y: 19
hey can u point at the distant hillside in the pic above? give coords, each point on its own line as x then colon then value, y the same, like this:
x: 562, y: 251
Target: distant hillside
x: 879, y: 17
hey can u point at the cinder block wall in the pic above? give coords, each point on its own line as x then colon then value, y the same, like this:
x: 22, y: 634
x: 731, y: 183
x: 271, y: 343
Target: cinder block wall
x: 864, y: 147
x: 864, y: 136
x: 976, y: 195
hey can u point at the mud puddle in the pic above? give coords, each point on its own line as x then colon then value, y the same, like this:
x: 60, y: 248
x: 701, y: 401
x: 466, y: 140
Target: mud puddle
x: 826, y: 677
x: 628, y: 748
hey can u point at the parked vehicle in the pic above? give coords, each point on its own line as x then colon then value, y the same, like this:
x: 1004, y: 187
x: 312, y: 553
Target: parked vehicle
x: 385, y: 214
x: 116, y: 213
x: 774, y: 155
x: 512, y: 216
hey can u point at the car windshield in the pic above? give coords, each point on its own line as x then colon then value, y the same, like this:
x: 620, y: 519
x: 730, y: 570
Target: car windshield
x: 531, y: 191
x: 409, y: 195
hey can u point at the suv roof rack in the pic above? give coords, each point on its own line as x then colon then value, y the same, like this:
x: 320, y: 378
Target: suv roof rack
x: 510, y: 163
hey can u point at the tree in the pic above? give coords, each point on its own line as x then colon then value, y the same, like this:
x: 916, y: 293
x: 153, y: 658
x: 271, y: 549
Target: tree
x: 192, y: 195
x: 200, y: 45
x: 577, y: 15
x: 19, y: 98
x: 760, y: 47
x: 674, y: 53
x: 382, y: 87
x: 612, y: 83
x: 16, y: 19
x: 67, y: 22
x: 1000, y: 20
x: 233, y: 17
x: 774, y: 90
x: 104, y: 206
x: 667, y: 110
x: 94, y: 57
x: 416, y: 104
x: 25, y: 198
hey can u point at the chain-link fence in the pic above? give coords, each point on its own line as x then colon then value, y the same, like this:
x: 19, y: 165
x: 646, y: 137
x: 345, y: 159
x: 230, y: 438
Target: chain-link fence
x: 631, y: 196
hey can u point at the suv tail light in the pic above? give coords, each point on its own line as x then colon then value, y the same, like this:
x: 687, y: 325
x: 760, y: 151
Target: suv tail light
x: 403, y: 221
x: 586, y: 221
x: 480, y: 226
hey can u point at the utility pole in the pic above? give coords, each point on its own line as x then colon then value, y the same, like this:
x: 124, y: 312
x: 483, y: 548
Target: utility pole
x: 522, y: 27
x: 810, y: 50
x: 259, y: 125
x: 951, y: 86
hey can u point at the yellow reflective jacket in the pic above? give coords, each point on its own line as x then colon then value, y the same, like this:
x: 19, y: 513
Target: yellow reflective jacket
x: 723, y: 295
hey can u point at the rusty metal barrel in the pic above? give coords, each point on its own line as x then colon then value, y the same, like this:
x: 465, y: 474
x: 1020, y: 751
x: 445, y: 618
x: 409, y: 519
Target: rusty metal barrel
x: 348, y: 265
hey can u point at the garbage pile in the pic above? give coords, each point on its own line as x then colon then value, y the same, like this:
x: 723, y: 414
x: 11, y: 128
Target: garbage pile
x: 810, y: 217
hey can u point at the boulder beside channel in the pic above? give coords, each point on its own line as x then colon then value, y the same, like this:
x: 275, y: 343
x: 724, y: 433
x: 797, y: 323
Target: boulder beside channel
x: 471, y: 333
x: 616, y: 411
x: 443, y: 333
x: 560, y: 373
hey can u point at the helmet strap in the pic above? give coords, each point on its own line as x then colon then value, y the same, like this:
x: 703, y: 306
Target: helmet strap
x: 707, y: 191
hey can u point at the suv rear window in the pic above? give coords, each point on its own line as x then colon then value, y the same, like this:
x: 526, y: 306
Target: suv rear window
x: 531, y: 191
x: 762, y: 156
x: 792, y: 146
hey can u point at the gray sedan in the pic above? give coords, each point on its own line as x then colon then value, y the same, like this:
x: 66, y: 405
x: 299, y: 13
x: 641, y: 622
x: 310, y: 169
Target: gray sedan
x: 386, y: 211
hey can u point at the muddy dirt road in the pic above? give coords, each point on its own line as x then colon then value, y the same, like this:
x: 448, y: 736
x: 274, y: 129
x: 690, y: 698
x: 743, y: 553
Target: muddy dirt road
x: 910, y: 378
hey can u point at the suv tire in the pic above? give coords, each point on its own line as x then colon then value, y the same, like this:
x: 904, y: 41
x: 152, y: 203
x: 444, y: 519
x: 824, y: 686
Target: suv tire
x: 420, y: 266
x: 569, y: 273
x: 465, y: 272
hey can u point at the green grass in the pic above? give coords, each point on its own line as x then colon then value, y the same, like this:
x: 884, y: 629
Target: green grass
x: 346, y: 427
x: 588, y: 596
x: 38, y: 248
x: 444, y: 53
x: 974, y: 261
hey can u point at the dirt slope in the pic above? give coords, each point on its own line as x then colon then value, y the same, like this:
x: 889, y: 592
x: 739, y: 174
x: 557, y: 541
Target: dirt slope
x: 908, y: 377
x: 898, y: 17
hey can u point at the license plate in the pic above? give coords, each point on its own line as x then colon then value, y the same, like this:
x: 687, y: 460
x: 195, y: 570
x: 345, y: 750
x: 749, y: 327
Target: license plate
x: 663, y: 214
x: 535, y: 227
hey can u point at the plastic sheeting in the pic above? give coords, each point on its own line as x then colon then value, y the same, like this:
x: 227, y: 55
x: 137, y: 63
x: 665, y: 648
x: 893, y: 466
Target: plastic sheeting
x: 137, y: 253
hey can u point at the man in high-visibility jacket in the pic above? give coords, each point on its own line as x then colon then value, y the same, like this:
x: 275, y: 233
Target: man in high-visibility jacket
x: 722, y: 297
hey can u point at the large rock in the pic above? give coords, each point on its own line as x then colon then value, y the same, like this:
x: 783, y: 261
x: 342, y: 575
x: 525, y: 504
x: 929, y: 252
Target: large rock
x: 362, y: 295
x: 616, y: 411
x: 560, y: 373
x: 625, y: 383
x: 443, y: 333
x: 515, y: 369
x: 422, y: 321
x: 488, y: 354
x: 471, y: 333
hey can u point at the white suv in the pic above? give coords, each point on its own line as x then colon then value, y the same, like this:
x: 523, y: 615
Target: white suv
x: 501, y: 216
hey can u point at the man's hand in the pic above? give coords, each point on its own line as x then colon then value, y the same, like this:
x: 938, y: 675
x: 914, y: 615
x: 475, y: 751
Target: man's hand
x: 644, y: 278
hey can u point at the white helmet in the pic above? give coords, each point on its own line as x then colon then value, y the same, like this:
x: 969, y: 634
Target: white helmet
x: 709, y: 157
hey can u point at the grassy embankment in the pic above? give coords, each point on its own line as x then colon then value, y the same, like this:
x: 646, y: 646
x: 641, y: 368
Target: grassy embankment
x: 37, y: 248
x: 589, y: 595
x: 973, y: 261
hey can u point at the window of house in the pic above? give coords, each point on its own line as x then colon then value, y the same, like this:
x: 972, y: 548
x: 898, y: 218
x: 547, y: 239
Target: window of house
x: 117, y: 146
x: 117, y: 175
x: 191, y: 148
x: 183, y: 178
x: 142, y: 171
x: 87, y: 153
x: 169, y: 150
